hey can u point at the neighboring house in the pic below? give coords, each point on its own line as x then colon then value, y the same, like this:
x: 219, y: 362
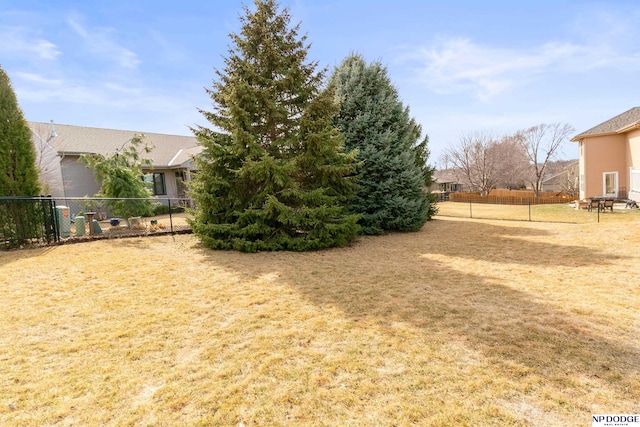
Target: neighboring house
x: 610, y: 157
x: 445, y: 181
x: 58, y: 149
x: 566, y: 180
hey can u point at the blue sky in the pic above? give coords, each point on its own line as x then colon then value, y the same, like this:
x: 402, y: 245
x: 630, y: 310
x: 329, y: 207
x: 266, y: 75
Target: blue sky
x: 461, y: 66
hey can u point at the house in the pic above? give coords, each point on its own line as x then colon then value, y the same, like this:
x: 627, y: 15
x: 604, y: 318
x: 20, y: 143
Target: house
x: 58, y: 150
x: 565, y: 180
x: 445, y: 181
x: 609, y: 160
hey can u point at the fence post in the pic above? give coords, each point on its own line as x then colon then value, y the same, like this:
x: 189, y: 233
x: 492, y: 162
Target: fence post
x: 529, y: 210
x: 45, y: 218
x: 56, y: 230
x: 470, y: 209
x: 170, y: 216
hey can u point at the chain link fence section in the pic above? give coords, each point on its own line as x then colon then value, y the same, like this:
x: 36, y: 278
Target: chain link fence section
x: 95, y: 218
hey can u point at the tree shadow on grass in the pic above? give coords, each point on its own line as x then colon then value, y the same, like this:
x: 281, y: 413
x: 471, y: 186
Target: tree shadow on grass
x: 395, y: 278
x: 13, y: 255
x: 502, y: 244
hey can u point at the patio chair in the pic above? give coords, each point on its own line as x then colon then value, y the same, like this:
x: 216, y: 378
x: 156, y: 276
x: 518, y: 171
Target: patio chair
x: 582, y: 204
x: 593, y: 204
x: 607, y: 204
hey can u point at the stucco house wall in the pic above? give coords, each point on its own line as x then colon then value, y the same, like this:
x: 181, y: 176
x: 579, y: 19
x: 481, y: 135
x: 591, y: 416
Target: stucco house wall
x: 603, y: 154
x: 611, y: 149
x: 633, y: 154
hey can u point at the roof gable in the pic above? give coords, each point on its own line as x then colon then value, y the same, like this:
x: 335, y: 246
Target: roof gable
x: 619, y: 124
x: 572, y: 169
x: 445, y: 175
x: 169, y: 150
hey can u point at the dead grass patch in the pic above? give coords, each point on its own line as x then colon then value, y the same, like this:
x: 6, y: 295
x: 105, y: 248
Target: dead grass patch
x: 467, y: 322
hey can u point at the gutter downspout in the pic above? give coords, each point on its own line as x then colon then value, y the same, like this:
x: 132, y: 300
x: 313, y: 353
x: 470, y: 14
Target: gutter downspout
x: 64, y: 181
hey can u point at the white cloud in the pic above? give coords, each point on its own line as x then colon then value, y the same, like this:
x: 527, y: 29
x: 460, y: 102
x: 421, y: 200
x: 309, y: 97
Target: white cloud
x: 44, y: 49
x: 77, y: 27
x: 37, y: 89
x: 117, y: 87
x: 101, y: 42
x: 38, y: 79
x: 459, y: 65
x: 20, y: 42
x: 169, y: 50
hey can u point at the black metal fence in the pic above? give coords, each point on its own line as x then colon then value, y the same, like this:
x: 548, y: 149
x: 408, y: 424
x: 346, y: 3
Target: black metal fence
x: 45, y: 220
x: 27, y: 221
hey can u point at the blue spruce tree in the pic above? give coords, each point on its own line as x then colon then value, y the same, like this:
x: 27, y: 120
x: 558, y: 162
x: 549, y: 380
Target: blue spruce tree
x: 394, y: 175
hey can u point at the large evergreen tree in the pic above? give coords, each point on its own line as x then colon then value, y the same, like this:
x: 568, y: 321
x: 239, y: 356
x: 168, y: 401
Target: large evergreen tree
x: 394, y: 172
x: 18, y: 171
x: 273, y: 175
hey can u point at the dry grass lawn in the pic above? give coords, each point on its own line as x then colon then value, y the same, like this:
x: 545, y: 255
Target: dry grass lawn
x: 549, y: 213
x: 467, y: 322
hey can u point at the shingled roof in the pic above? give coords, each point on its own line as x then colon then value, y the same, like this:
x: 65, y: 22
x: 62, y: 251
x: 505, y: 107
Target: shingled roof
x: 619, y: 124
x: 445, y: 175
x: 169, y: 150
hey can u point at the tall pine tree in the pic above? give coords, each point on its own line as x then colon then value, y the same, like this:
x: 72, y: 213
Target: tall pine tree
x: 394, y: 173
x: 18, y: 170
x: 273, y: 175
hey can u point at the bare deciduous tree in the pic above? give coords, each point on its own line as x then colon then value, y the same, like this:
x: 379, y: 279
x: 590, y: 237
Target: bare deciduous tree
x: 571, y: 185
x: 483, y: 162
x: 474, y: 160
x: 542, y: 143
x: 512, y: 165
x: 562, y: 175
x: 46, y: 158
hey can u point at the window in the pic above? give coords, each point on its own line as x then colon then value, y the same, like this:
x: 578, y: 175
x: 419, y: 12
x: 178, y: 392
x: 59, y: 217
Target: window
x: 610, y: 183
x: 159, y: 188
x: 180, y: 183
x: 155, y: 183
